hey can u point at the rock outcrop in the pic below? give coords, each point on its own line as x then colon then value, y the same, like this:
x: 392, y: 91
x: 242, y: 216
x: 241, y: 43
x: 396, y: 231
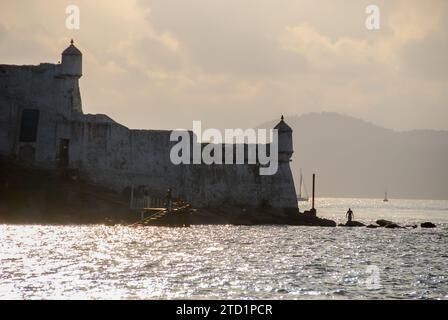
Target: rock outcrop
x: 392, y: 226
x: 388, y: 224
x: 352, y: 224
x: 427, y: 225
x: 383, y: 223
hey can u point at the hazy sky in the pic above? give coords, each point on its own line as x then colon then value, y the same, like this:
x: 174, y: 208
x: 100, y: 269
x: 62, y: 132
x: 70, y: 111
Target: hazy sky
x: 238, y: 63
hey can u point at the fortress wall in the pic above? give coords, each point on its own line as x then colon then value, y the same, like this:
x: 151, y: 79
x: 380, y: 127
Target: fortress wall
x: 10, y: 102
x: 98, y: 145
x: 39, y: 88
x: 113, y: 155
x: 150, y: 155
x: 8, y: 125
x: 281, y: 189
x: 239, y: 185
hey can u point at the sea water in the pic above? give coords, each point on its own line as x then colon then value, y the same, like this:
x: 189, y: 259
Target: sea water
x: 235, y: 262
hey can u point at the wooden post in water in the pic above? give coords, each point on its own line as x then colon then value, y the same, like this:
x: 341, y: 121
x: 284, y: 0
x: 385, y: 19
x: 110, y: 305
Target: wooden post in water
x: 314, y: 184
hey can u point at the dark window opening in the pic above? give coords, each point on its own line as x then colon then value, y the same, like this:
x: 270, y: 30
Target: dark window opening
x: 29, y: 124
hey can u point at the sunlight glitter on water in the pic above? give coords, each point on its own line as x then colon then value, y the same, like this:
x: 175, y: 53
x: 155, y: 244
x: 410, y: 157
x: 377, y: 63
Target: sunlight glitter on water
x: 260, y: 262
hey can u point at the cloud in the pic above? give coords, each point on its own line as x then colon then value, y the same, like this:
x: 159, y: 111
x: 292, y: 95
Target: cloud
x: 164, y: 63
x: 223, y: 36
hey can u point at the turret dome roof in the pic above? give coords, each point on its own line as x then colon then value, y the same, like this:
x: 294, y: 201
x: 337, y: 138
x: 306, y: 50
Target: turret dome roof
x: 282, y: 126
x: 72, y: 50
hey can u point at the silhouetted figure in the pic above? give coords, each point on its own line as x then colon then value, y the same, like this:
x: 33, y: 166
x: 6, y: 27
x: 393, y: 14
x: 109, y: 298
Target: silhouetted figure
x: 350, y: 215
x: 169, y: 201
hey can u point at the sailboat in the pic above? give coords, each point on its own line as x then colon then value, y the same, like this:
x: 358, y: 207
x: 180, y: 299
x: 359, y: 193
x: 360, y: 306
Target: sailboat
x: 385, y: 197
x: 302, y: 190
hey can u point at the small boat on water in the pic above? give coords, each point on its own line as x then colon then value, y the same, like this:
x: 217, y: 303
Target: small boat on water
x: 302, y: 190
x: 385, y: 197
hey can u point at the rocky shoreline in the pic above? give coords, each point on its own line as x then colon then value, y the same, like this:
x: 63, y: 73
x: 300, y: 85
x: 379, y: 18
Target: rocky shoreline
x: 381, y: 223
x: 231, y: 215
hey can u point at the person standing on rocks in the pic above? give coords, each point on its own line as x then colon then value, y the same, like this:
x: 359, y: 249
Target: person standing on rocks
x: 169, y: 201
x: 350, y: 215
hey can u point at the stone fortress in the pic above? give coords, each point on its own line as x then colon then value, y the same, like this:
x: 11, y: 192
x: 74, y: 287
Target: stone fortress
x: 42, y: 123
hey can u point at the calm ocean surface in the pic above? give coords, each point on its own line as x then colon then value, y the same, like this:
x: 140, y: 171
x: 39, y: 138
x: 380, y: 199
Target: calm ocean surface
x: 219, y: 262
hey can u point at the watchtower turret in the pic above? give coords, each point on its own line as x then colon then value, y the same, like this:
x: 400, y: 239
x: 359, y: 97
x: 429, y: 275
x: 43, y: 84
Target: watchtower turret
x: 285, y: 145
x: 71, y: 62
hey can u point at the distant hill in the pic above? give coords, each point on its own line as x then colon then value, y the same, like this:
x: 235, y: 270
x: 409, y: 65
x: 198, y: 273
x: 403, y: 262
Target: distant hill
x: 354, y: 158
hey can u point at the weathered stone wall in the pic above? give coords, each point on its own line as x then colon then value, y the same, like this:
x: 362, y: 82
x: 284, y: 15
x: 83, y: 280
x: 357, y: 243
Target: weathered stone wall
x: 110, y: 154
x: 113, y: 155
x: 41, y: 88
